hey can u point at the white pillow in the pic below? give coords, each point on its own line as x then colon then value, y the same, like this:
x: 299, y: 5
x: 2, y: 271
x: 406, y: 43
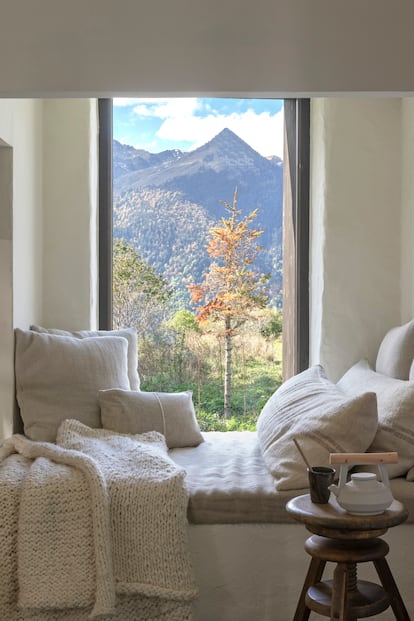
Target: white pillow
x: 395, y: 402
x: 321, y: 417
x: 58, y: 377
x: 410, y: 474
x: 396, y: 352
x: 130, y: 334
x: 172, y: 414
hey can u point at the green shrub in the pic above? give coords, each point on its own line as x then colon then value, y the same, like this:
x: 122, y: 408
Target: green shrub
x: 214, y: 422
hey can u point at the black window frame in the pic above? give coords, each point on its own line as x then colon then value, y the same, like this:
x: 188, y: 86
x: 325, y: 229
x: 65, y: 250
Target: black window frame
x: 105, y: 213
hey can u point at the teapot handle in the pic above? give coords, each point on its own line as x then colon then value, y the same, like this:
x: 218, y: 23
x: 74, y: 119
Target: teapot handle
x: 343, y: 474
x: 348, y: 460
x: 384, y: 474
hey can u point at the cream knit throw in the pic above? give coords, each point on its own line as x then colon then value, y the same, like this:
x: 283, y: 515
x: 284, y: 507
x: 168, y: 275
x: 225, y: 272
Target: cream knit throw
x: 102, y: 513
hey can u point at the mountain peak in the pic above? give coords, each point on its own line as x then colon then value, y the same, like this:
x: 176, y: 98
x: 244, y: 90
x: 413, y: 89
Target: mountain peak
x: 226, y: 146
x: 227, y: 133
x: 229, y: 139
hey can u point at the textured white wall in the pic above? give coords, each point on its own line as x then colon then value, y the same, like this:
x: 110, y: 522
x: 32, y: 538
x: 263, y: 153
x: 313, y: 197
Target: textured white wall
x: 48, y: 223
x: 20, y: 235
x: 274, y: 47
x: 355, y: 228
x: 6, y: 289
x: 407, y: 210
x: 70, y: 214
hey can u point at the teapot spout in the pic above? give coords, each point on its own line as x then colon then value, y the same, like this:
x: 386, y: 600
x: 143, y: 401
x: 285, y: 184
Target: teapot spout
x: 334, y: 489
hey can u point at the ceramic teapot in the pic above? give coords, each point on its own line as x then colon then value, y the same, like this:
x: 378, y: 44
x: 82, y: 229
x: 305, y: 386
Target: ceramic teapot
x: 364, y: 494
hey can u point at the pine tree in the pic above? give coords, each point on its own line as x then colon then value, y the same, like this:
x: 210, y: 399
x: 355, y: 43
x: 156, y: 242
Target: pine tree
x: 231, y: 290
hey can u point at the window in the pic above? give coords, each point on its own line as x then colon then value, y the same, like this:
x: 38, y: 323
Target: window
x: 295, y: 230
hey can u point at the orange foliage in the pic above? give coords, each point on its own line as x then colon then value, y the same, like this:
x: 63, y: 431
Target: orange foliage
x: 230, y: 288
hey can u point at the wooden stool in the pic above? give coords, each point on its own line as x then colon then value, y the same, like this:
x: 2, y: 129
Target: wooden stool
x: 346, y: 540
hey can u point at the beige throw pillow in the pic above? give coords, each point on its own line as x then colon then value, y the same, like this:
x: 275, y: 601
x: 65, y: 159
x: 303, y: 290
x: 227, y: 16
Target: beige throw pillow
x: 172, y: 414
x: 321, y: 417
x: 58, y: 377
x: 410, y: 474
x: 395, y: 402
x: 396, y: 352
x: 130, y: 334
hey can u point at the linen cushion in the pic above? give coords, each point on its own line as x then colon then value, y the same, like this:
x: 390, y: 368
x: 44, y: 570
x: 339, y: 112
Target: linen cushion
x: 396, y: 352
x: 395, y: 402
x: 172, y: 414
x: 58, y: 377
x: 130, y: 334
x: 410, y: 474
x: 321, y: 417
x: 411, y: 376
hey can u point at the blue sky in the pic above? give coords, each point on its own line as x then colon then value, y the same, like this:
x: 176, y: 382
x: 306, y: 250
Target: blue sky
x: 187, y: 123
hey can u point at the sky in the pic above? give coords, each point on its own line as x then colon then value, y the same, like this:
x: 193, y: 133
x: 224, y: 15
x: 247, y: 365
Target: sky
x: 187, y: 123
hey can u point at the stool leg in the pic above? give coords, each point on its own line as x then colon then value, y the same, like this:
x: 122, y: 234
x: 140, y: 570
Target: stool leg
x: 339, y: 591
x: 389, y: 584
x: 313, y: 576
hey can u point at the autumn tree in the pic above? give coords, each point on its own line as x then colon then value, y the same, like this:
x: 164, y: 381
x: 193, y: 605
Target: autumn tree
x: 231, y: 290
x: 139, y: 292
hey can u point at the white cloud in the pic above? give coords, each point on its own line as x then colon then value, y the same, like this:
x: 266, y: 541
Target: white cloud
x: 167, y: 108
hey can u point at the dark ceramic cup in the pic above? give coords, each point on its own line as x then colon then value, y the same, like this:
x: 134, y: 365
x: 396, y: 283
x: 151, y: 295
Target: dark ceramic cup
x: 320, y: 478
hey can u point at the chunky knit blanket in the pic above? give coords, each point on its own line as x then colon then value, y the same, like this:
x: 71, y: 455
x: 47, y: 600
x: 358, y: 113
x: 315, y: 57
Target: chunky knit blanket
x: 101, y: 522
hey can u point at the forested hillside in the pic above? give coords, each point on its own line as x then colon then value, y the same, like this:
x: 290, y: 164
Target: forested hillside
x: 170, y: 234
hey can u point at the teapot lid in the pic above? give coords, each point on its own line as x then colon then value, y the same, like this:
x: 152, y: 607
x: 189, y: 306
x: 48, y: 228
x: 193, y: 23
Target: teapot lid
x: 363, y: 476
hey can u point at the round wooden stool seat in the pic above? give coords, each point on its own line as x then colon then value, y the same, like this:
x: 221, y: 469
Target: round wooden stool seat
x: 346, y: 540
x: 346, y: 551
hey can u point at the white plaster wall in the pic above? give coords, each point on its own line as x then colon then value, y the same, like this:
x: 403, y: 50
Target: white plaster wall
x: 48, y: 224
x: 70, y: 214
x: 6, y: 288
x: 20, y: 235
x: 407, y: 211
x: 355, y: 228
x: 275, y: 47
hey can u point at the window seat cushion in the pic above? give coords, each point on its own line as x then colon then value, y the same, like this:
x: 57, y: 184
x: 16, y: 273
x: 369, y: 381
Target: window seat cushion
x: 130, y: 334
x: 396, y: 352
x: 58, y: 377
x: 229, y: 482
x: 170, y: 413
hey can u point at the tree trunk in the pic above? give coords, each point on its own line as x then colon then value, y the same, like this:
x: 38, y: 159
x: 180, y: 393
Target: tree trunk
x: 227, y: 372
